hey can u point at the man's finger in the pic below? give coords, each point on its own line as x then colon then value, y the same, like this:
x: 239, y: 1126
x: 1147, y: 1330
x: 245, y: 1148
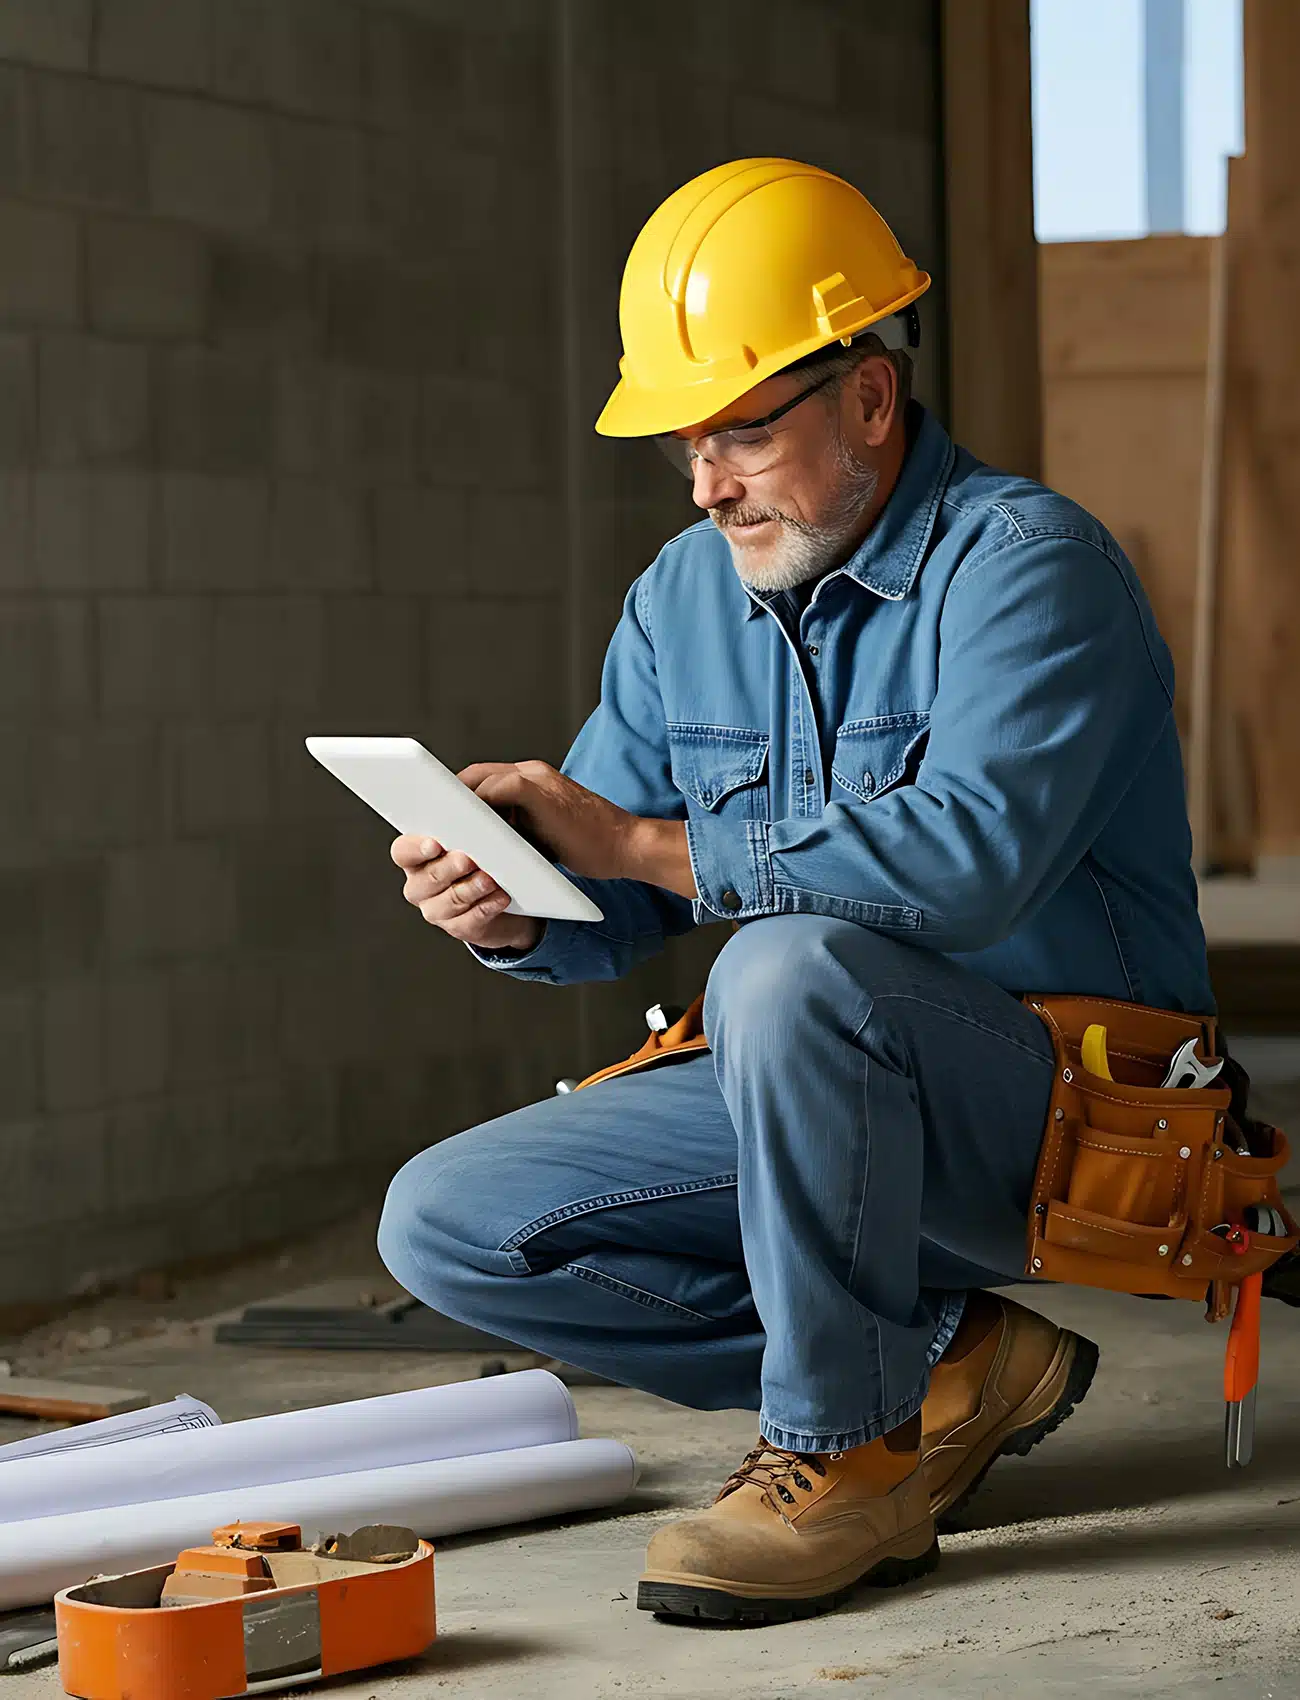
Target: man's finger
x: 463, y: 895
x: 502, y: 789
x: 430, y: 878
x: 461, y: 901
x: 477, y: 772
x: 472, y: 921
x: 412, y: 851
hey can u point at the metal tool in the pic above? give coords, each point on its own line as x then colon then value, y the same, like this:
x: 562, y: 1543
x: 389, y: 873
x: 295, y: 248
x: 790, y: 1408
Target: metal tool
x: 1263, y: 1219
x: 1188, y: 1070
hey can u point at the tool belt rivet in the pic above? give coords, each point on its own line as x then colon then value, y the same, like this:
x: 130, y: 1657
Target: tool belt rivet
x: 1162, y: 1123
x: 1060, y: 1115
x: 1164, y: 1251
x: 1038, y: 1263
x: 1066, y: 1074
x: 1184, y: 1150
x: 1187, y: 1257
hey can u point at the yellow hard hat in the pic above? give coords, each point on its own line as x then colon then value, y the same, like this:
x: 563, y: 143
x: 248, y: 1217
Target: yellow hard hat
x: 745, y: 269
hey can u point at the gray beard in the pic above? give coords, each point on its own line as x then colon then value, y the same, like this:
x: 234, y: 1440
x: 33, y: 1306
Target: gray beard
x: 803, y: 551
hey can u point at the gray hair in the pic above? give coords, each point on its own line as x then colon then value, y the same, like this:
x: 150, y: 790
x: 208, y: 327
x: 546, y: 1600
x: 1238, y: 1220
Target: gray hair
x: 838, y: 361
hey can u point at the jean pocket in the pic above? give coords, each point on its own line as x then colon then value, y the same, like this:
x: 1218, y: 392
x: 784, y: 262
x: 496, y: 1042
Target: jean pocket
x: 722, y: 769
x: 874, y: 755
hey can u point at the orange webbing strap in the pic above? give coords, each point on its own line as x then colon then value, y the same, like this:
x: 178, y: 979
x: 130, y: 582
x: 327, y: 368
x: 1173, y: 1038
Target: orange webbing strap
x: 1241, y: 1372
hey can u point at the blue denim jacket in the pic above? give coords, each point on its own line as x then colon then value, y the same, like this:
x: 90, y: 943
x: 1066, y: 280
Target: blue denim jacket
x: 965, y: 739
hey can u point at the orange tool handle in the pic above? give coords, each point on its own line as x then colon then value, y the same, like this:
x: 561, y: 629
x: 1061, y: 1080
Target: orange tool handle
x: 1241, y: 1361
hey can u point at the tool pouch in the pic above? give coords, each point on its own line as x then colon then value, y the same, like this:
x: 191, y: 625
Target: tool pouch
x: 1133, y: 1179
x: 683, y: 1039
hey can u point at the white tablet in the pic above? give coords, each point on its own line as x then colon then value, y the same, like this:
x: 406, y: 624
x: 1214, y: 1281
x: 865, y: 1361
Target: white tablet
x: 414, y: 792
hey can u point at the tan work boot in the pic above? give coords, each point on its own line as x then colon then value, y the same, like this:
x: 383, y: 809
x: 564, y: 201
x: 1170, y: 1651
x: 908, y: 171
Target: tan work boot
x: 1008, y: 1378
x: 791, y: 1534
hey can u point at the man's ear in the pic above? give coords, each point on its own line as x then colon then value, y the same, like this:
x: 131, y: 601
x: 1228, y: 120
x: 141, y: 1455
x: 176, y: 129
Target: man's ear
x: 876, y: 398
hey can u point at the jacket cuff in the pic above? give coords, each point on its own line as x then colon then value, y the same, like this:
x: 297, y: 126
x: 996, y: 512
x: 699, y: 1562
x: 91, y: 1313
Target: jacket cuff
x: 732, y: 868
x: 546, y: 961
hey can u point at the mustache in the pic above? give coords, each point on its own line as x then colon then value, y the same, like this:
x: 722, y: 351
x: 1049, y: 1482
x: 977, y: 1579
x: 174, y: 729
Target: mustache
x: 728, y: 514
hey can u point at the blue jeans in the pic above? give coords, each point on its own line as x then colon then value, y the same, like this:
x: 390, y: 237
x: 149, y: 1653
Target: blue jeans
x: 789, y: 1224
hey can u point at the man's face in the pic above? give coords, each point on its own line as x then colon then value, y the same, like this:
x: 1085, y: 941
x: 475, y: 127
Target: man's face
x: 799, y: 504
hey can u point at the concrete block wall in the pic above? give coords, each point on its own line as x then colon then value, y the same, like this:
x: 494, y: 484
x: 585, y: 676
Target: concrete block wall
x: 306, y: 307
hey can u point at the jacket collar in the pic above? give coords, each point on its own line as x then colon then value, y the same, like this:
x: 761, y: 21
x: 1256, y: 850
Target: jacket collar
x: 893, y: 552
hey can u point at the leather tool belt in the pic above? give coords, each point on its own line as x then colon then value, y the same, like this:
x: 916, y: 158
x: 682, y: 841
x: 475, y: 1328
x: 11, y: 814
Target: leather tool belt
x: 1145, y: 1190
x: 681, y: 1039
x: 1138, y: 1189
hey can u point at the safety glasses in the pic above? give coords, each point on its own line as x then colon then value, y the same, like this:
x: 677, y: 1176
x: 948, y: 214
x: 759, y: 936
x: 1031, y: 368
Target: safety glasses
x: 743, y: 449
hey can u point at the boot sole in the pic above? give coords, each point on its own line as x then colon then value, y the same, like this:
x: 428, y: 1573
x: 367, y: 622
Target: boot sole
x: 692, y: 1602
x: 1065, y: 1385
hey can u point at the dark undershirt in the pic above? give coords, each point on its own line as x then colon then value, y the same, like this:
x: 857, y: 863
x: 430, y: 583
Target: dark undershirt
x: 790, y: 604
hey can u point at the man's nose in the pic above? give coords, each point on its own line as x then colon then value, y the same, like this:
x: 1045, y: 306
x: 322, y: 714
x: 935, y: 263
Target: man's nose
x: 713, y: 484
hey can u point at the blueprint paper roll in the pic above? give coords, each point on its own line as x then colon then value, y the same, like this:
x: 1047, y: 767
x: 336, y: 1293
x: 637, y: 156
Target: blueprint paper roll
x: 179, y: 1413
x: 39, y: 1557
x: 498, y: 1413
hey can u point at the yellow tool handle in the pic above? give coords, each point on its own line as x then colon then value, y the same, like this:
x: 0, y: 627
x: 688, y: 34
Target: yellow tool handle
x: 1093, y: 1052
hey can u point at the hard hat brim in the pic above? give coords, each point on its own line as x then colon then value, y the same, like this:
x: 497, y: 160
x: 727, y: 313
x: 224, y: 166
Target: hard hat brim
x: 632, y: 411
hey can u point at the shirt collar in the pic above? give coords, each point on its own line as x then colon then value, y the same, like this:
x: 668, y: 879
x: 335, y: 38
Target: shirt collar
x: 891, y: 555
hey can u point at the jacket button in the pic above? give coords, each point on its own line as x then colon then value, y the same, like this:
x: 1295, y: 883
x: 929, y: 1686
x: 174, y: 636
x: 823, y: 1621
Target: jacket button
x: 731, y: 900
x: 868, y: 781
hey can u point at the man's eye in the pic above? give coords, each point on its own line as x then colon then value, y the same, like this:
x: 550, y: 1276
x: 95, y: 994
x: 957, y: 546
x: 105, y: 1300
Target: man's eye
x: 748, y: 439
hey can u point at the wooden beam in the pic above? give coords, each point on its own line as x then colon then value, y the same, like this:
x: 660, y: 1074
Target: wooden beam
x: 65, y: 1401
x: 1209, y: 535
x: 992, y: 271
x: 1261, y: 552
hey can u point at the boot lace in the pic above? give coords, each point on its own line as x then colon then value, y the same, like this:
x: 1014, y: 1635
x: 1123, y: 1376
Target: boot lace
x: 775, y: 1471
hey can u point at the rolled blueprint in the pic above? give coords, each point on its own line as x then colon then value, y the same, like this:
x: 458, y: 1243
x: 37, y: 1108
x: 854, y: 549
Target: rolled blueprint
x: 498, y: 1413
x: 443, y: 1497
x: 182, y: 1412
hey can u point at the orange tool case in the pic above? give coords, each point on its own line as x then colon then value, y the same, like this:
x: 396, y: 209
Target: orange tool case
x: 252, y: 1613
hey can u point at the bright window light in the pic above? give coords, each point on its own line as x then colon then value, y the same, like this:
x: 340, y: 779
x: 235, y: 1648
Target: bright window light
x: 1089, y: 95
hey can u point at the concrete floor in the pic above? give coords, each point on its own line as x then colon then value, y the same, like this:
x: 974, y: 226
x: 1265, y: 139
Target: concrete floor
x: 1120, y: 1555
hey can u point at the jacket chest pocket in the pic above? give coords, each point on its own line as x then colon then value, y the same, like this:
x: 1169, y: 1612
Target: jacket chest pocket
x: 875, y: 755
x: 721, y: 769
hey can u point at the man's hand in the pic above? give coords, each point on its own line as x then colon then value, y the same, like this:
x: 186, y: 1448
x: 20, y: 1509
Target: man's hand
x: 584, y: 831
x: 452, y: 892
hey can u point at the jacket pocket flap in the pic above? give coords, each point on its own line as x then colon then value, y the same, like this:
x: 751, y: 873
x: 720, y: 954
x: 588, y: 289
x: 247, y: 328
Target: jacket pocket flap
x: 872, y: 755
x: 710, y: 762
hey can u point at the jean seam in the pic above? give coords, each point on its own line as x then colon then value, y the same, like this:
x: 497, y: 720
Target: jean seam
x: 1110, y: 922
x: 636, y: 1295
x: 793, y: 899
x: 611, y: 1201
x: 862, y: 1205
x: 840, y: 1440
x: 952, y: 1014
x: 948, y: 1325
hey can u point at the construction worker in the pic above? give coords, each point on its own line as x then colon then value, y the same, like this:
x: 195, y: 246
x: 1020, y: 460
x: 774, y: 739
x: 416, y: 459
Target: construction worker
x: 909, y: 720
